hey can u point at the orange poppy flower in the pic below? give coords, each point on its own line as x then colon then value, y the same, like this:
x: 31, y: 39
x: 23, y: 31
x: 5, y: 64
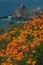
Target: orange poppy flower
x: 3, y: 51
x: 18, y: 58
x: 28, y: 61
x: 33, y: 62
x: 32, y: 45
x: 36, y: 17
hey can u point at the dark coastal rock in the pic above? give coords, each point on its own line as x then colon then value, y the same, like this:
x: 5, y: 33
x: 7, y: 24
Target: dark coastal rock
x: 11, y: 23
x: 3, y: 17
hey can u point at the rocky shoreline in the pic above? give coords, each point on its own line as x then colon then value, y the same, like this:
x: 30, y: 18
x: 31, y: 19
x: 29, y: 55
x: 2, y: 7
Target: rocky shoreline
x: 22, y: 13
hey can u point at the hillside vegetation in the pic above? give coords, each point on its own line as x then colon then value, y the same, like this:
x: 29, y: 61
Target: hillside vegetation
x: 23, y: 45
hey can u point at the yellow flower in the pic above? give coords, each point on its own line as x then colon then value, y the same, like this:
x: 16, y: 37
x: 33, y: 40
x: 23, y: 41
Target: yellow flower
x: 34, y: 51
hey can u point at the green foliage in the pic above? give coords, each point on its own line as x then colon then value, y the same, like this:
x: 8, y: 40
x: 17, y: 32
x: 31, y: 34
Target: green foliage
x: 17, y: 33
x: 39, y: 54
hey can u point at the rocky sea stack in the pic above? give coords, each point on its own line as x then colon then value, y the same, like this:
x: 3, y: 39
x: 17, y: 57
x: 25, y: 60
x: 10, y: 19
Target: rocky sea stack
x: 22, y: 13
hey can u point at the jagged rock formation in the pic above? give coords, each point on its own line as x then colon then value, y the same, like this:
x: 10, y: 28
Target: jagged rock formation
x: 23, y: 13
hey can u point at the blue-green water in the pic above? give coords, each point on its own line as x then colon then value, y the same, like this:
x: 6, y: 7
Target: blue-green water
x: 9, y: 6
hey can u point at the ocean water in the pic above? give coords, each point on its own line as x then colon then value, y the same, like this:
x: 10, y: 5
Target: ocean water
x: 7, y: 7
